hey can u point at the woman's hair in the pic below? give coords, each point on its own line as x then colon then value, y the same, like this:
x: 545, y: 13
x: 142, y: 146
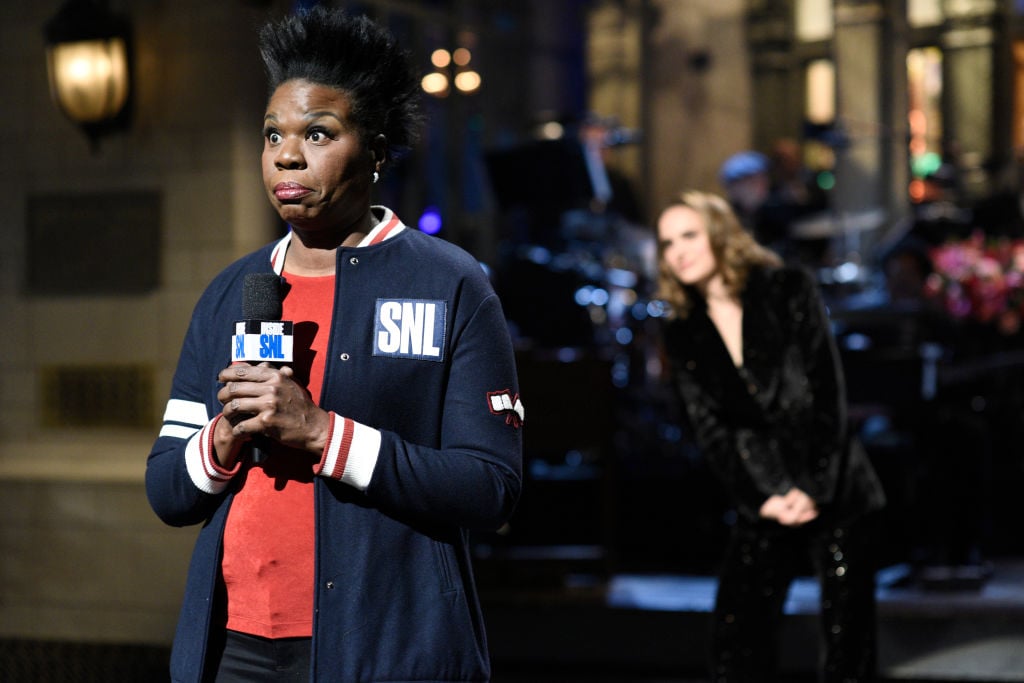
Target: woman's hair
x: 734, y: 248
x: 354, y: 55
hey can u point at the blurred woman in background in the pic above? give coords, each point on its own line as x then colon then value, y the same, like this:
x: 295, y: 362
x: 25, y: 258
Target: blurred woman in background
x: 754, y: 364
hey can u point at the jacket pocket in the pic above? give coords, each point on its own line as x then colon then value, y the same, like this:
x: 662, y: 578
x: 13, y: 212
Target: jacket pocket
x: 445, y: 562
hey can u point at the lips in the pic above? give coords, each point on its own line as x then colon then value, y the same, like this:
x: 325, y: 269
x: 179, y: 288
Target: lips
x: 290, y: 191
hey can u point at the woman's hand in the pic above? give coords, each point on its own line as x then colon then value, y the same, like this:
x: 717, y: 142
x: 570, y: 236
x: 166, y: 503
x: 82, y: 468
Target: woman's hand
x: 794, y: 509
x: 265, y: 400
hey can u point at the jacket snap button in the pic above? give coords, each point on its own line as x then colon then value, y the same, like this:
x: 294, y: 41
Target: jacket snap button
x: 330, y: 585
x: 354, y: 260
x: 344, y: 356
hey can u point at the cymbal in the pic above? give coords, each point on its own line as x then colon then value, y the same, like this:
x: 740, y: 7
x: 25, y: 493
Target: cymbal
x: 836, y: 225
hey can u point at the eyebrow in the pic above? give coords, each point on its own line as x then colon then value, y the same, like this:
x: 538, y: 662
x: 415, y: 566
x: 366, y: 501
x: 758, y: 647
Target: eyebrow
x: 320, y: 114
x: 310, y: 116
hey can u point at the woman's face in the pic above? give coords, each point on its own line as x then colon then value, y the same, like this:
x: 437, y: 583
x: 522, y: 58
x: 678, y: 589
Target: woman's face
x: 685, y: 246
x: 316, y: 170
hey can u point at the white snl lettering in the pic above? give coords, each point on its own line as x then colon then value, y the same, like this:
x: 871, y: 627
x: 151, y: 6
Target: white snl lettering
x: 388, y: 339
x: 408, y: 328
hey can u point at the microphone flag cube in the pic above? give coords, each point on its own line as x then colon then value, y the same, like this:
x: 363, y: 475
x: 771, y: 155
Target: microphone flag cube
x: 258, y: 341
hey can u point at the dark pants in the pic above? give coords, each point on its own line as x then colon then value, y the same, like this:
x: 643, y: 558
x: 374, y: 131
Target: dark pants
x: 242, y: 658
x: 761, y: 561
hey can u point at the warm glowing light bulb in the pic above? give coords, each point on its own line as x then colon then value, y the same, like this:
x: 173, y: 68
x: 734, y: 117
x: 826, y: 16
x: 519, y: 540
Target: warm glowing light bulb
x: 435, y: 83
x: 440, y: 58
x: 461, y: 56
x: 467, y: 81
x: 552, y: 130
x: 90, y: 78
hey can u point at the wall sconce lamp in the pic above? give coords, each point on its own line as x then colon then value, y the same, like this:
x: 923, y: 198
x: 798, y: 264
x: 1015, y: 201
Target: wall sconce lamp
x: 88, y: 57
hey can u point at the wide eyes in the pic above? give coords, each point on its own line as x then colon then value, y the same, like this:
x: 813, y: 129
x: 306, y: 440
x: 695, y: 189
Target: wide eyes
x: 316, y: 135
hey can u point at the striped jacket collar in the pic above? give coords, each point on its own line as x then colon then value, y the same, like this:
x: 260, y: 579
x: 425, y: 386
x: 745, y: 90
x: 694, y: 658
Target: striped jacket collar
x: 388, y: 226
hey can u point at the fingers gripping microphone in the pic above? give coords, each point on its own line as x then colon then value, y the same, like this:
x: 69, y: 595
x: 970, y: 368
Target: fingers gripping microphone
x: 262, y: 336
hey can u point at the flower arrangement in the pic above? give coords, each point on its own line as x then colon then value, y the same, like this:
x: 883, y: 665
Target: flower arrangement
x: 980, y: 279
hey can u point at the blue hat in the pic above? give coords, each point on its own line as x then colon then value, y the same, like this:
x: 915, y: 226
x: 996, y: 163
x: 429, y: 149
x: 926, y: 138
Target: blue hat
x: 742, y: 165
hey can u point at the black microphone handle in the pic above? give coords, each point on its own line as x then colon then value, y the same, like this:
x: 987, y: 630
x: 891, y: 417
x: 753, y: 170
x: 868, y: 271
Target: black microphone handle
x: 258, y: 454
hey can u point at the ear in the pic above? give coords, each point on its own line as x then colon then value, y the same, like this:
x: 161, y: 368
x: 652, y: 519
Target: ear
x: 379, y: 149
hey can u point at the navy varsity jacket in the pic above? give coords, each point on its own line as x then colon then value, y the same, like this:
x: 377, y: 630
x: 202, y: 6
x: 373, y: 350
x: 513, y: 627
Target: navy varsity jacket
x: 421, y: 381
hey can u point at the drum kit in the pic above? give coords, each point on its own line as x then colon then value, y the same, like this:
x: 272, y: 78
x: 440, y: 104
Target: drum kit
x: 561, y: 255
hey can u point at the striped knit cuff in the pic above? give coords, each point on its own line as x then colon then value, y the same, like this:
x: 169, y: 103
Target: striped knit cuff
x: 201, y: 461
x: 351, y: 452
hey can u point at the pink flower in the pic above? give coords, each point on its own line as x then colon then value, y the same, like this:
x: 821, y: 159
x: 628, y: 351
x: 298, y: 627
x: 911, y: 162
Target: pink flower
x: 980, y: 279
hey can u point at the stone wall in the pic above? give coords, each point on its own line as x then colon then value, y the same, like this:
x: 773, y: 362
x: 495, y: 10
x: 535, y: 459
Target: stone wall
x: 82, y: 557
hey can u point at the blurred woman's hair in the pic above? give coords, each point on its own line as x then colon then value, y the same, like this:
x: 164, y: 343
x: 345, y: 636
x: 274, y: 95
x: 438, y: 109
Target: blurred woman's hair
x: 734, y: 248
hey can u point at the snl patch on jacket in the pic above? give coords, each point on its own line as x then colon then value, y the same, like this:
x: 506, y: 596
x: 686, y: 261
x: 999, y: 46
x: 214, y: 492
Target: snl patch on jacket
x: 410, y: 328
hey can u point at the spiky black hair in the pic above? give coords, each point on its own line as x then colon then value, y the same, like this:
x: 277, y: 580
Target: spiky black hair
x: 353, y: 54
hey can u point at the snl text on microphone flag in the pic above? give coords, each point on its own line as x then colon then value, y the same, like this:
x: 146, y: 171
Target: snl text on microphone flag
x: 258, y: 341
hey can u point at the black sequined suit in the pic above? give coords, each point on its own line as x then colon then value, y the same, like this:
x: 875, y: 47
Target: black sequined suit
x: 776, y: 422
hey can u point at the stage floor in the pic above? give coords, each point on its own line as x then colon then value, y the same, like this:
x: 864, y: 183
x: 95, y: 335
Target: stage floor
x: 960, y: 626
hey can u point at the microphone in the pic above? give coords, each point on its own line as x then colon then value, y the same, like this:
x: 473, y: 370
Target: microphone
x: 262, y: 335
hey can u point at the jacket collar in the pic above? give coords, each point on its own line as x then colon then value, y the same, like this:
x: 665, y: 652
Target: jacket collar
x: 388, y: 226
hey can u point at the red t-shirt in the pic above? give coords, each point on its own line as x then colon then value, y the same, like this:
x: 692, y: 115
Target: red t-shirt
x: 270, y: 533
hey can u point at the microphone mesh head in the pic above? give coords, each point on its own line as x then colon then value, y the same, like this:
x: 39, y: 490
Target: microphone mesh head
x: 261, y: 297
